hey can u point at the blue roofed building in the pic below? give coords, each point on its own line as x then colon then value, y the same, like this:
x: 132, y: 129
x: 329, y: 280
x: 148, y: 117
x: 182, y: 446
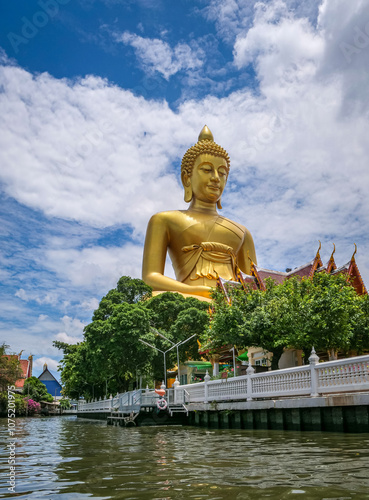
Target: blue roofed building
x: 52, y: 385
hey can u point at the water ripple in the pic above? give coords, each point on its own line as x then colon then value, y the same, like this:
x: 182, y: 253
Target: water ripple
x: 65, y: 459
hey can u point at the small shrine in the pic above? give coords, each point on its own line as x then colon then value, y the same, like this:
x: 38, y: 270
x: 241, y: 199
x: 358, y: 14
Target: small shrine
x: 52, y: 385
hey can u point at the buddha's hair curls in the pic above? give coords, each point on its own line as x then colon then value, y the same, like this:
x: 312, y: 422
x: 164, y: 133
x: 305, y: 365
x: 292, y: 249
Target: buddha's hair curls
x: 203, y: 147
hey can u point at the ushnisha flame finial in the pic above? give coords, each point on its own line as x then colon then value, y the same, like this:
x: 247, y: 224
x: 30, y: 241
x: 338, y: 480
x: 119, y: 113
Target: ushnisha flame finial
x: 205, y: 134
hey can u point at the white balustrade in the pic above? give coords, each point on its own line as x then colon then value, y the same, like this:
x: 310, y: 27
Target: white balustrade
x: 347, y: 375
x: 341, y: 376
x: 103, y: 405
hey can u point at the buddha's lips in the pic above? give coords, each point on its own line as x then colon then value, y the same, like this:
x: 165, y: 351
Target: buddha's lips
x: 216, y: 188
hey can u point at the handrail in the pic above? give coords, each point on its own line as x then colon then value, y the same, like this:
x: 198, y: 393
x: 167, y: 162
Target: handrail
x: 338, y: 376
x: 347, y: 375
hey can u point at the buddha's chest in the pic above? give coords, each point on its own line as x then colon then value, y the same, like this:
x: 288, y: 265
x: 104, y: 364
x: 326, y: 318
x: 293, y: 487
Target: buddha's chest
x: 211, y: 229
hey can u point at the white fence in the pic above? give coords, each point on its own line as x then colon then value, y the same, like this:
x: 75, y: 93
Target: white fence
x: 342, y: 376
x: 125, y: 402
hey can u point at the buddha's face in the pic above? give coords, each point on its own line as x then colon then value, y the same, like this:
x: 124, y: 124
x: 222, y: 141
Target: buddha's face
x: 209, y: 177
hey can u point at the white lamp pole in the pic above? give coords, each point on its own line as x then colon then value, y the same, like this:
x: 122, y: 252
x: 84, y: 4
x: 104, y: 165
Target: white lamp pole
x: 164, y: 353
x: 177, y: 345
x: 234, y: 361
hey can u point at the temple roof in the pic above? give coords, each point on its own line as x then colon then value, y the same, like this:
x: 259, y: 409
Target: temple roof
x: 258, y: 275
x: 352, y: 271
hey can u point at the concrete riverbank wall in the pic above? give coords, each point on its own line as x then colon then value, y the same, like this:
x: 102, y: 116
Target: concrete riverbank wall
x: 143, y: 419
x: 336, y: 413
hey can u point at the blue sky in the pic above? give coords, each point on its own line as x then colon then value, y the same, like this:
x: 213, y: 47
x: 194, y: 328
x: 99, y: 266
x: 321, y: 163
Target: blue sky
x: 99, y: 100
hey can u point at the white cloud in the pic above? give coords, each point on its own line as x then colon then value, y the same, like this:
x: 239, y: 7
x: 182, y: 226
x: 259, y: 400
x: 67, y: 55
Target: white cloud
x: 64, y: 337
x: 96, y: 268
x: 233, y: 17
x: 40, y: 333
x: 47, y: 298
x: 92, y: 152
x: 91, y: 304
x: 72, y: 325
x: 346, y: 30
x: 157, y: 55
x: 281, y: 46
x: 87, y: 150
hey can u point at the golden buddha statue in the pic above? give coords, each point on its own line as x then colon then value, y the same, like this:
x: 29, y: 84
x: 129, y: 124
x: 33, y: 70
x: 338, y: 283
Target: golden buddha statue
x: 202, y: 244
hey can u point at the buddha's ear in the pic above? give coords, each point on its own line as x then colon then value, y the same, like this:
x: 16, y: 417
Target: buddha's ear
x: 186, y: 181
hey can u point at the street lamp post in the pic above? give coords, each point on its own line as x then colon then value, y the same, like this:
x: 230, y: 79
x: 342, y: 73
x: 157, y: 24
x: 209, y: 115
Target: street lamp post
x: 164, y: 353
x: 234, y: 362
x: 170, y: 348
x: 178, y: 344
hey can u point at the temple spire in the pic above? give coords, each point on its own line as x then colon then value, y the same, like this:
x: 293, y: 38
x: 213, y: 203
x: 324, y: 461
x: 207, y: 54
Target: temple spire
x: 353, y: 255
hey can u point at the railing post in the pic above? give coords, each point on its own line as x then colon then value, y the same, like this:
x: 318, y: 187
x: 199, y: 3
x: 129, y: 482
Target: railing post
x: 176, y: 393
x: 250, y: 371
x: 206, y: 380
x: 313, y: 360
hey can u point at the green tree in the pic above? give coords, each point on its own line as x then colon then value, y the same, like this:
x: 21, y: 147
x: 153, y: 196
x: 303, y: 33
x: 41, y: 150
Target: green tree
x: 10, y: 369
x: 64, y: 404
x: 36, y: 390
x: 128, y: 290
x: 324, y: 312
x: 332, y: 308
x: 20, y: 403
x: 115, y: 347
x: 112, y: 354
x: 76, y: 370
x: 107, y: 359
x: 177, y: 318
x: 360, y: 320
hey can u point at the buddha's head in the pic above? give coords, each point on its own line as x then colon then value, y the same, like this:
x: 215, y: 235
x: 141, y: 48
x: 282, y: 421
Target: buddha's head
x: 205, y: 159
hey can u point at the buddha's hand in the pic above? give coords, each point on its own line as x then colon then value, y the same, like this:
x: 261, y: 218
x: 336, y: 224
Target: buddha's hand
x: 203, y: 291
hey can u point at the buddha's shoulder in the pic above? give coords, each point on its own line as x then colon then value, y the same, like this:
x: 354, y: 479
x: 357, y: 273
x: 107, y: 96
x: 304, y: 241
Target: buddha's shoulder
x: 168, y: 216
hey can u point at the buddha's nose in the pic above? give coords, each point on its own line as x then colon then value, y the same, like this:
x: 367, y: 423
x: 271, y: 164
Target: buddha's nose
x: 215, y: 176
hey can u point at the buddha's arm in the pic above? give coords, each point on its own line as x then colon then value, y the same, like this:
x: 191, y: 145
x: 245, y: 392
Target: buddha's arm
x: 247, y: 249
x: 155, y: 251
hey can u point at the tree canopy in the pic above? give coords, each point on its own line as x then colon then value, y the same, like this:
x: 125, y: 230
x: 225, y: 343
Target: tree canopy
x: 324, y: 312
x: 35, y: 389
x: 112, y: 354
x: 10, y: 369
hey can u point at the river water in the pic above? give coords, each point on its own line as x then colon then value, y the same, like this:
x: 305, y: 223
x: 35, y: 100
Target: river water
x: 66, y: 458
